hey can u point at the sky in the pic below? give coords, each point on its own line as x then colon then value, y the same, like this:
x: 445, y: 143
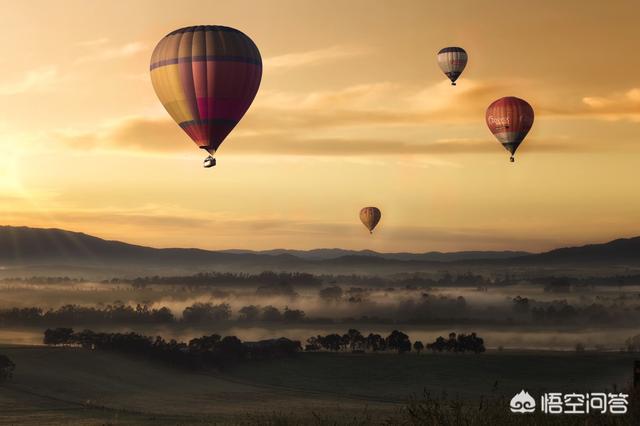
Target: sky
x: 352, y: 111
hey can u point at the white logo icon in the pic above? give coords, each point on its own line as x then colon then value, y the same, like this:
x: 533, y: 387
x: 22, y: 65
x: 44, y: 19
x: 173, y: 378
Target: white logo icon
x: 522, y: 403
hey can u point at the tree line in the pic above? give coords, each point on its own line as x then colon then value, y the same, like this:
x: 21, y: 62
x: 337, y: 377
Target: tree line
x: 120, y: 313
x: 562, y: 312
x: 407, y: 280
x: 212, y: 351
x: 353, y: 340
x: 207, y: 279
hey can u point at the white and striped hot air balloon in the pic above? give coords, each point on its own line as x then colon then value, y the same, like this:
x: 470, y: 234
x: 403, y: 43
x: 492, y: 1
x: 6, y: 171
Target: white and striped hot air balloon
x: 452, y: 61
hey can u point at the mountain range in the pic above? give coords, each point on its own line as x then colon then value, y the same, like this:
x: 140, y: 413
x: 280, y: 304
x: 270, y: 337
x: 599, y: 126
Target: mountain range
x: 24, y: 247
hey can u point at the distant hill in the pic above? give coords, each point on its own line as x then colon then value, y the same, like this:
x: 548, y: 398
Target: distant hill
x: 35, y: 247
x: 622, y: 251
x: 432, y: 256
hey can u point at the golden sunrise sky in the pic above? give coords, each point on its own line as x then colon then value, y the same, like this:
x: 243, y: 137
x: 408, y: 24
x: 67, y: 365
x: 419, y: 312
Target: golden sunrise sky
x: 352, y: 111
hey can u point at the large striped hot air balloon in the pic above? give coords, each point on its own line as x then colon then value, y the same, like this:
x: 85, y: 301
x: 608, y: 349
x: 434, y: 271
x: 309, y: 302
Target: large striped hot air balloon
x: 370, y: 216
x: 206, y: 77
x: 452, y: 61
x: 510, y: 119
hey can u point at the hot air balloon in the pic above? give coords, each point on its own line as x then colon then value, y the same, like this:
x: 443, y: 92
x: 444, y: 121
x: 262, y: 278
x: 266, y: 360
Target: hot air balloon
x: 452, y: 61
x: 206, y: 78
x: 370, y: 216
x: 510, y: 119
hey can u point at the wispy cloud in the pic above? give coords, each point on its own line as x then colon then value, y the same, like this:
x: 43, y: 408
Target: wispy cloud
x: 33, y: 80
x: 93, y: 42
x: 323, y: 124
x: 312, y: 57
x: 625, y: 105
x: 109, y: 53
x: 138, y: 133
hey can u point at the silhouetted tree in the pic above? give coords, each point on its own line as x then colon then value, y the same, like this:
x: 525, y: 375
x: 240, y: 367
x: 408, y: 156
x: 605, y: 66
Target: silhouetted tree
x: 458, y: 343
x: 333, y: 293
x: 398, y: 341
x: 58, y: 336
x: 312, y: 344
x: 520, y: 304
x: 6, y: 368
x: 269, y: 313
x: 206, y: 312
x: 249, y: 313
x: 375, y: 342
x: 292, y: 315
x: 418, y: 346
x: 633, y: 343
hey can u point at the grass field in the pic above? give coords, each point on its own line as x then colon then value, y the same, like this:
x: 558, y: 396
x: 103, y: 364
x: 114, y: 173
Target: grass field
x: 74, y: 386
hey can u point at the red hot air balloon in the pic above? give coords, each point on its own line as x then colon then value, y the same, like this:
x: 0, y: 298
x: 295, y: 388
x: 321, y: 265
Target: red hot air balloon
x: 510, y: 119
x: 206, y: 78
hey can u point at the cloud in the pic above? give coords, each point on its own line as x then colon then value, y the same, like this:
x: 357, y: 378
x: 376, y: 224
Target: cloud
x: 375, y: 104
x: 163, y: 136
x: 615, y: 106
x: 346, y: 122
x: 138, y: 133
x: 106, y: 54
x: 312, y: 57
x: 33, y: 80
x: 93, y: 42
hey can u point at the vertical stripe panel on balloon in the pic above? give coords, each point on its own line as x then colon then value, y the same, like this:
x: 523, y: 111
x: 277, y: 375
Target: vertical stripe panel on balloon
x: 185, y: 67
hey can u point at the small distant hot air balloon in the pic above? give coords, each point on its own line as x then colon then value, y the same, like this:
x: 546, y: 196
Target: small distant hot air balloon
x: 206, y: 78
x: 510, y: 119
x: 452, y: 61
x: 370, y: 216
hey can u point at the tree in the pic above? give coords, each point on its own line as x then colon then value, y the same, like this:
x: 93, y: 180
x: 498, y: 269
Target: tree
x: 206, y: 312
x: 458, y: 343
x: 269, y: 313
x: 58, y: 336
x: 356, y: 340
x: 398, y: 341
x: 249, y: 313
x: 231, y: 349
x: 375, y: 342
x: 292, y: 315
x: 331, y: 293
x: 418, y: 346
x: 633, y: 343
x: 438, y: 345
x: 312, y: 344
x: 6, y: 368
x: 204, y: 343
x: 520, y: 304
x: 330, y: 342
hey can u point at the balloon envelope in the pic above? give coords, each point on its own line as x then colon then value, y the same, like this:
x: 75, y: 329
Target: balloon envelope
x: 206, y: 78
x: 510, y: 119
x: 370, y: 216
x: 452, y: 61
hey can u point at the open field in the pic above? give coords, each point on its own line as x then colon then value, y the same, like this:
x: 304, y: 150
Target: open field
x: 69, y: 385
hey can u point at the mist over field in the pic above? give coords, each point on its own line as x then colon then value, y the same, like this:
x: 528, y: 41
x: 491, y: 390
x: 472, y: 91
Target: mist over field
x: 515, y: 314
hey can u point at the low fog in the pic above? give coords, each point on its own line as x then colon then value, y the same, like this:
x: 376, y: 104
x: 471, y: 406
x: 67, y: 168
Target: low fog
x: 509, y: 312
